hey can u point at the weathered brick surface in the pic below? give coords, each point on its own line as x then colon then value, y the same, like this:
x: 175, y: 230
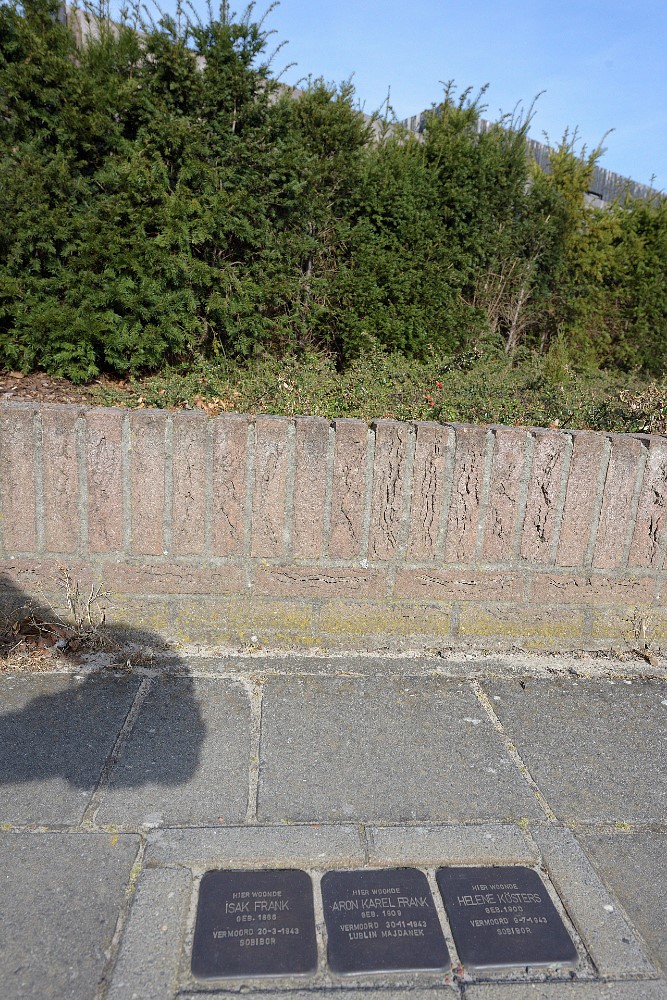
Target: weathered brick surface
x: 504, y: 508
x: 391, y: 442
x: 310, y: 482
x: 340, y: 605
x: 60, y: 477
x: 147, y: 474
x: 241, y: 619
x: 349, y: 489
x: 17, y: 479
x: 636, y: 625
x: 230, y: 436
x: 544, y: 496
x: 458, y: 585
x: 429, y: 489
x: 466, y: 498
x: 173, y: 578
x: 580, y: 498
x: 360, y: 618
x: 46, y: 576
x: 188, y: 525
x: 315, y: 581
x: 588, y: 589
x: 535, y: 621
x: 617, y: 502
x: 104, y: 468
x: 649, y: 530
x: 268, y: 505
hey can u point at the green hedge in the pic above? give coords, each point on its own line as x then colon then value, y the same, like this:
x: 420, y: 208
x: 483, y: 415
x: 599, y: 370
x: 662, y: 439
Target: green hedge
x: 163, y: 200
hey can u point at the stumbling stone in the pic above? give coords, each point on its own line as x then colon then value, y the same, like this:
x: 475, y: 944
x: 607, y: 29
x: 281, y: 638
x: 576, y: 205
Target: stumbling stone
x: 503, y: 917
x: 253, y: 924
x: 382, y: 921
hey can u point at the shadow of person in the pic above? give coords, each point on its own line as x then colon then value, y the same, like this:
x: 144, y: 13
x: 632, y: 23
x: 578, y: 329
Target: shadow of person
x: 65, y: 734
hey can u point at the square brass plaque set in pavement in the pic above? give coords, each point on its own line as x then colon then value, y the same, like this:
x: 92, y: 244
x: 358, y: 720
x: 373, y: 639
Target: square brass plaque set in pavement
x: 262, y: 923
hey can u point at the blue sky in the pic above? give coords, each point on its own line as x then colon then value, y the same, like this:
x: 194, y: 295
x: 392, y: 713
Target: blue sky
x: 601, y: 65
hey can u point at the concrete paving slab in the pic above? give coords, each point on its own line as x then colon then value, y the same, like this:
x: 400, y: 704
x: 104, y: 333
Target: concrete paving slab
x: 372, y: 749
x: 487, y: 844
x: 56, y: 733
x: 367, y: 990
x: 147, y: 964
x: 567, y: 991
x: 61, y: 898
x: 609, y: 939
x: 186, y: 759
x: 634, y: 867
x: 597, y: 749
x: 256, y: 846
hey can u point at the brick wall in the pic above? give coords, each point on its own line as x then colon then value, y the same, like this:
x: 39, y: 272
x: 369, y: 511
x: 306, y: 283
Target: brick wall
x: 280, y: 532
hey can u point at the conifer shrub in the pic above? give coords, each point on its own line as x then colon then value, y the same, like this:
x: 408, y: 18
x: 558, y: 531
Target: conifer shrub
x: 164, y: 201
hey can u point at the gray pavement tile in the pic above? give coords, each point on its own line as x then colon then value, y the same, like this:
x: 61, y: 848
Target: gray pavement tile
x: 597, y: 750
x: 568, y: 991
x: 147, y: 964
x: 257, y: 846
x: 186, y: 759
x: 609, y: 939
x: 388, y: 748
x: 367, y: 990
x: 61, y: 897
x: 634, y: 867
x: 56, y: 733
x: 487, y: 844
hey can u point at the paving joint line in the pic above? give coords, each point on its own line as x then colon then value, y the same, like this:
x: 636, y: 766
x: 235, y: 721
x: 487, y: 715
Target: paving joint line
x: 511, y: 749
x: 255, y: 690
x: 91, y: 810
x: 114, y: 947
x: 365, y: 844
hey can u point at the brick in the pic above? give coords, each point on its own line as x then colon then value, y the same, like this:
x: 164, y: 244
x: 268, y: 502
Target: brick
x: 429, y: 487
x: 268, y: 505
x: 315, y: 581
x: 458, y: 585
x: 60, y: 478
x: 310, y: 483
x: 580, y: 498
x: 592, y: 589
x: 349, y: 489
x: 616, y: 502
x: 173, y: 578
x: 147, y: 619
x: 544, y: 496
x: 258, y: 620
x: 649, y: 530
x: 147, y: 450
x: 33, y: 578
x: 230, y: 437
x: 517, y: 622
x: 188, y: 524
x: 17, y: 479
x: 391, y: 442
x: 104, y: 468
x: 509, y: 456
x: 347, y: 618
x: 635, y: 625
x: 464, y: 505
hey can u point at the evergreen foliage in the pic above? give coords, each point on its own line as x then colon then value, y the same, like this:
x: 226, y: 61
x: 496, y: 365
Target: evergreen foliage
x: 163, y: 199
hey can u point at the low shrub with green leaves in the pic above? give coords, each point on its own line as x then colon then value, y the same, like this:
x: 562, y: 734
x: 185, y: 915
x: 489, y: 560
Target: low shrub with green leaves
x: 165, y: 202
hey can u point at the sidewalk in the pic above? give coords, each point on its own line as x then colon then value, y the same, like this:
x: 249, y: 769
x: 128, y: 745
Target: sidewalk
x: 119, y: 790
